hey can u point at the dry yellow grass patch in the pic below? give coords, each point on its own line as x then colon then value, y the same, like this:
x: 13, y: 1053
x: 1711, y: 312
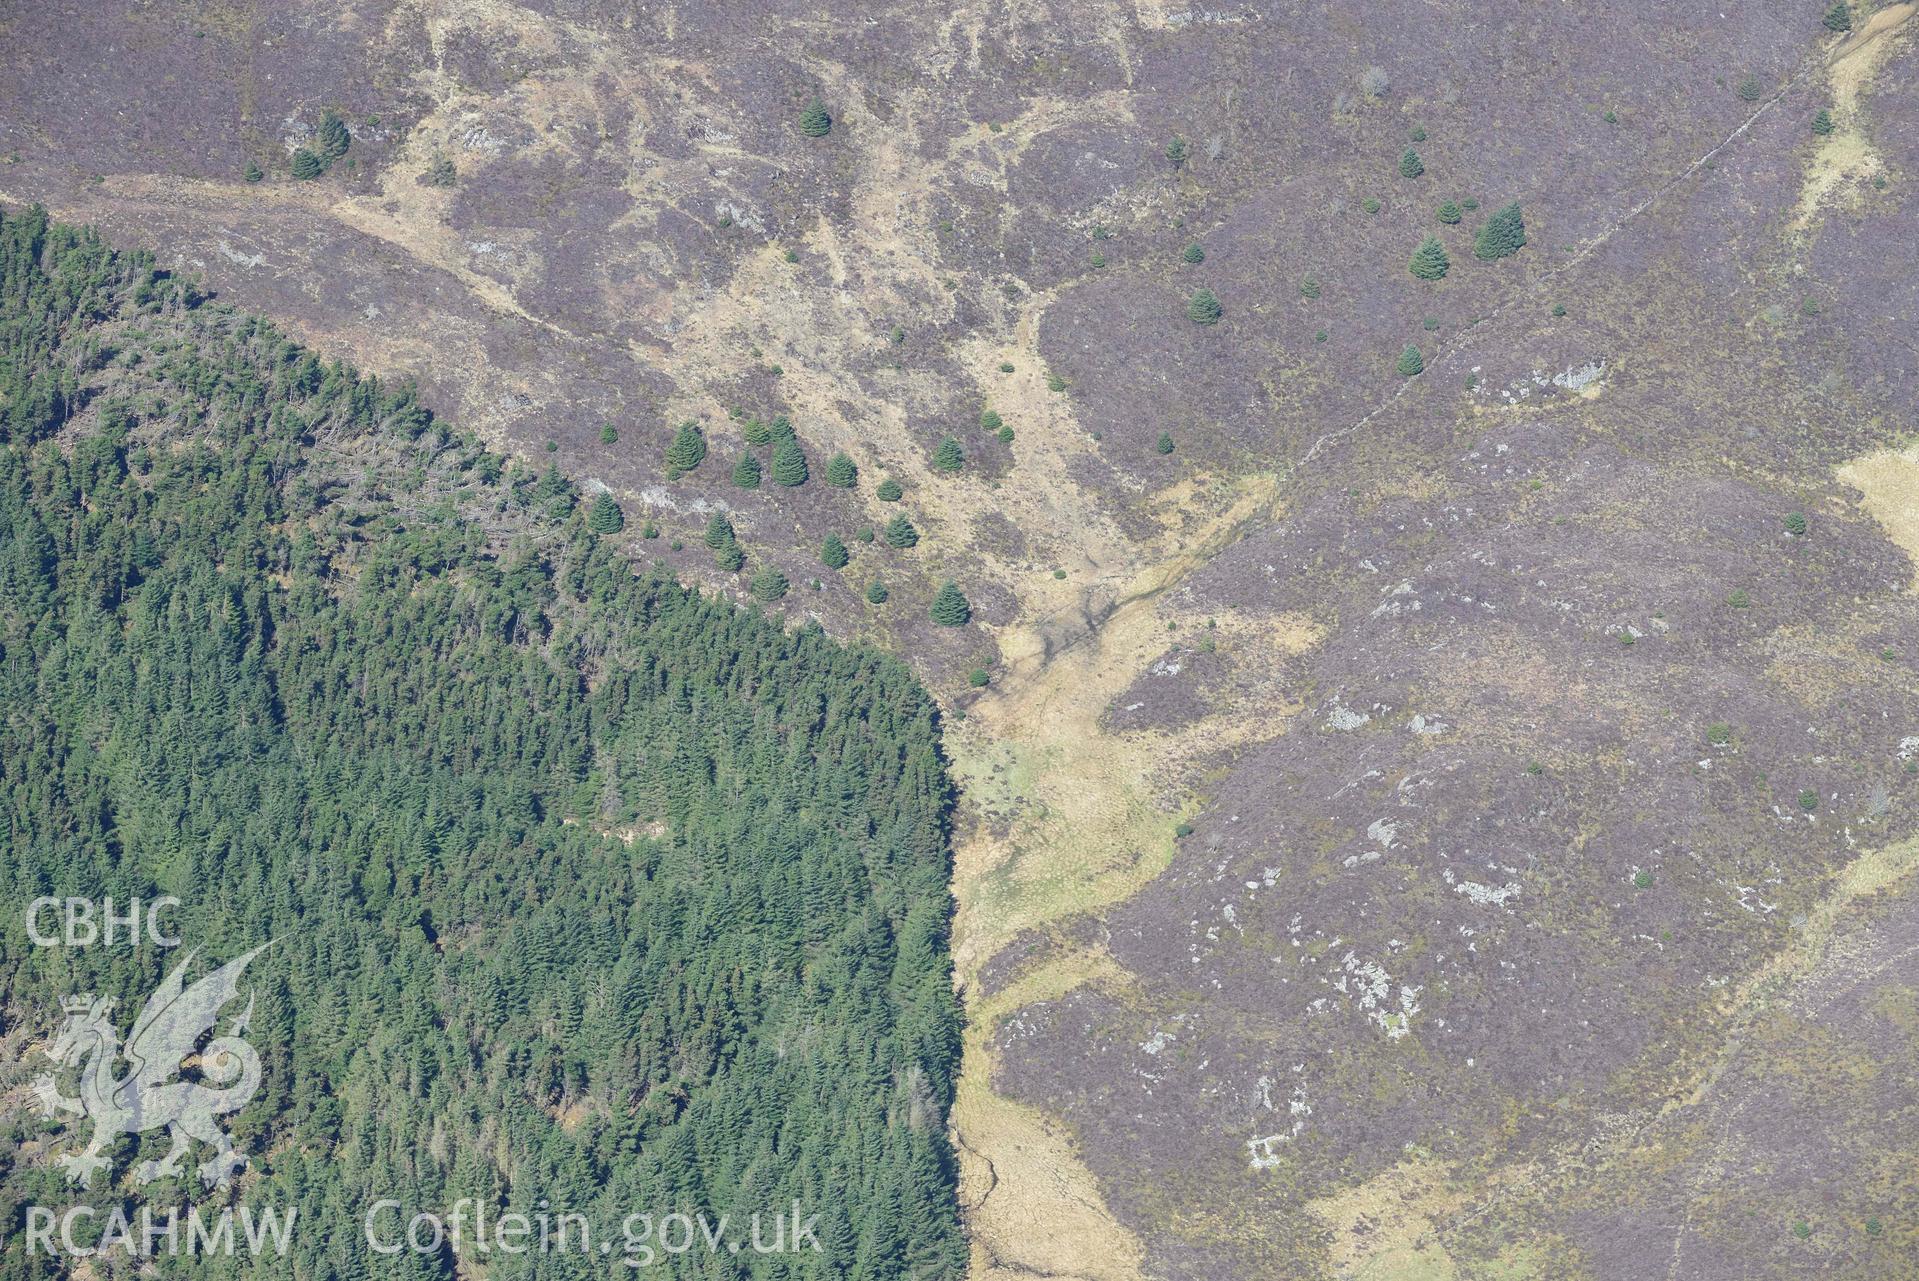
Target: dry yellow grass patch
x: 1384, y: 1229
x: 1845, y: 157
x: 1889, y: 481
x: 1031, y: 1205
x: 1072, y: 819
x: 1083, y: 827
x: 1853, y: 63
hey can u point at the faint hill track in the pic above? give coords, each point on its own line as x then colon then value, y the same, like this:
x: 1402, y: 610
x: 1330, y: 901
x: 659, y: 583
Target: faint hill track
x: 1881, y: 27
x: 1064, y: 670
x: 689, y: 118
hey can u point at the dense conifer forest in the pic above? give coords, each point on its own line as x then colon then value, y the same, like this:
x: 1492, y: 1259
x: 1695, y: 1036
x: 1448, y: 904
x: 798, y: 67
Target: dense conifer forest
x: 582, y: 889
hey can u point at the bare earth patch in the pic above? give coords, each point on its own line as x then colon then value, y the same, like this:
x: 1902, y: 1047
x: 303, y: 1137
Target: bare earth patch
x: 1889, y: 481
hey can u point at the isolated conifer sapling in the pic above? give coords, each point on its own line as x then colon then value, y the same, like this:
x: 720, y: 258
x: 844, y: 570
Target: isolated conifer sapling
x: 815, y: 122
x: 950, y: 608
x: 1429, y: 261
x: 900, y: 533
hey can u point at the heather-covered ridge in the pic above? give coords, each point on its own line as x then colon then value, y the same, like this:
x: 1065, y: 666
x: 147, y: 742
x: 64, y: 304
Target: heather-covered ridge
x: 1438, y: 725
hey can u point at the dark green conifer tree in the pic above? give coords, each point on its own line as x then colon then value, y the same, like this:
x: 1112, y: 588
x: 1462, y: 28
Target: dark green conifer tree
x: 594, y: 844
x: 768, y: 584
x: 950, y: 607
x: 1503, y: 235
x: 332, y: 138
x: 789, y: 464
x: 605, y: 516
x: 815, y: 122
x: 686, y: 452
x: 1429, y: 261
x: 900, y: 533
